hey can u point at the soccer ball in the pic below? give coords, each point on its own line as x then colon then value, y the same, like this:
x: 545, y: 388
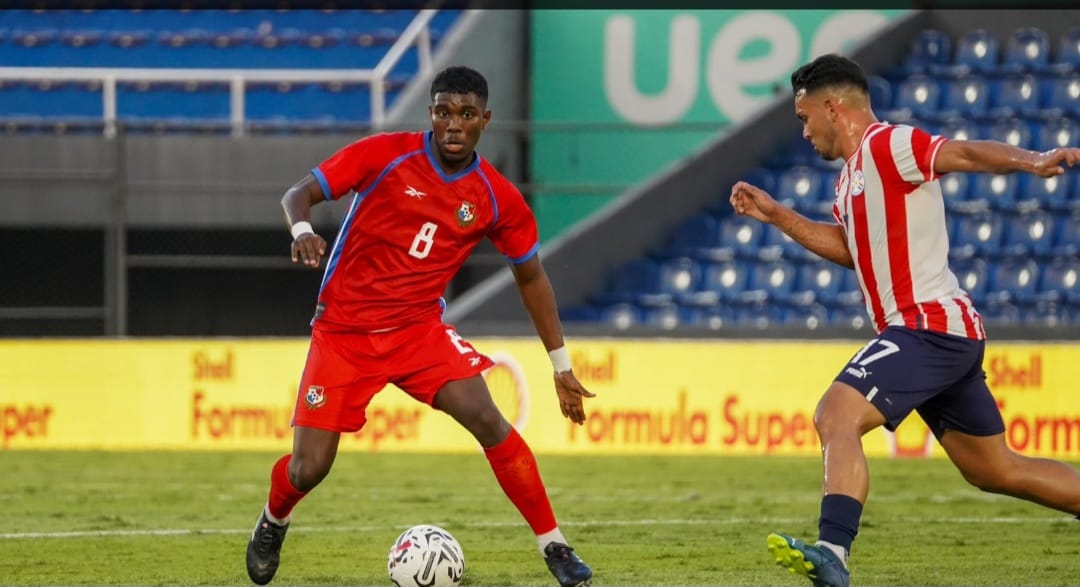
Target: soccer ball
x: 425, y: 556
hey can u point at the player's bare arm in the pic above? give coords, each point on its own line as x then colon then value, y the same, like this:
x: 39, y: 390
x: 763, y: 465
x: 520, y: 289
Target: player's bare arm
x: 539, y: 300
x: 822, y: 238
x: 1000, y: 158
x: 307, y: 247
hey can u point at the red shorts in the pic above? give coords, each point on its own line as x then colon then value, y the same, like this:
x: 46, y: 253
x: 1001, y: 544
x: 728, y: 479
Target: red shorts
x: 344, y: 370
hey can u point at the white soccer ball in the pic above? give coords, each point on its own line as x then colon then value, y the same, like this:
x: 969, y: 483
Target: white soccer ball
x: 425, y: 556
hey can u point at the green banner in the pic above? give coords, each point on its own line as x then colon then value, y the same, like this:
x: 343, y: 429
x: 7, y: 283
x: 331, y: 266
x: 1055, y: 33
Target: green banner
x: 619, y: 95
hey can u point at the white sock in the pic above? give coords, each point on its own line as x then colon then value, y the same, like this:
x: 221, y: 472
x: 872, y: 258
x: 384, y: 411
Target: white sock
x: 542, y: 540
x: 274, y: 520
x: 838, y: 550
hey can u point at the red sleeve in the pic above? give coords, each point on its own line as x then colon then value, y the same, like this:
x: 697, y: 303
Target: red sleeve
x: 515, y: 233
x: 355, y: 165
x: 914, y: 151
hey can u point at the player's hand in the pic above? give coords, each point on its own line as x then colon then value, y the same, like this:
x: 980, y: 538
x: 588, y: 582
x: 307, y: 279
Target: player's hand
x: 1053, y: 162
x: 571, y: 396
x: 752, y: 201
x: 308, y: 249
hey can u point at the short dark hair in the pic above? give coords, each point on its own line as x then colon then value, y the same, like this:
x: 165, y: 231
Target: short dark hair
x: 829, y: 71
x: 459, y: 79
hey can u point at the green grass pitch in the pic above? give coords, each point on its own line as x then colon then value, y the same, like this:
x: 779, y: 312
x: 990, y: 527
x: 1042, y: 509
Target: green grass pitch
x: 179, y: 518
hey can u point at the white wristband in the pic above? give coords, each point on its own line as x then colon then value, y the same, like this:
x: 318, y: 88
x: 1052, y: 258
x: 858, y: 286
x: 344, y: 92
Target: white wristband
x: 560, y: 359
x: 301, y: 228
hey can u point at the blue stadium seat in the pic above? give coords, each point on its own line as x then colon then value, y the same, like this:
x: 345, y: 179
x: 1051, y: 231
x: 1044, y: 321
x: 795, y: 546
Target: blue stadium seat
x: 931, y: 47
x: 1013, y: 280
x: 680, y: 276
x: 1060, y: 281
x: 1047, y: 315
x: 621, y: 316
x: 1051, y: 193
x: 976, y: 234
x: 880, y: 92
x: 824, y: 279
x: 999, y: 191
x: 958, y: 127
x: 775, y: 279
x: 1063, y: 93
x: 1058, y: 132
x: 664, y: 317
x: 966, y: 97
x: 777, y: 245
x: 954, y: 189
x: 977, y: 50
x: 1028, y: 49
x: 1067, y: 234
x: 580, y: 313
x: 758, y: 316
x: 721, y: 282
x: 1028, y: 235
x: 715, y: 317
x: 1069, y: 48
x: 1013, y: 131
x: 693, y: 237
x: 740, y: 235
x: 918, y: 94
x: 973, y: 275
x: 630, y: 282
x: 809, y: 317
x: 853, y: 318
x: 799, y: 187
x: 999, y: 313
x: 1015, y: 95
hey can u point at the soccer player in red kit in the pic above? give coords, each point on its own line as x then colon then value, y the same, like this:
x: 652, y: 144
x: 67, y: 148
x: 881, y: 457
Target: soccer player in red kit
x: 927, y: 356
x: 422, y: 202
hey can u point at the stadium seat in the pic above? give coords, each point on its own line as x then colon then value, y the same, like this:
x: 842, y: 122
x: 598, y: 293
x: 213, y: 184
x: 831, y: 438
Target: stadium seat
x: 977, y: 50
x: 1013, y: 131
x: 809, y: 317
x: 621, y: 316
x: 739, y: 235
x: 1028, y: 235
x: 1060, y: 281
x: 1059, y: 132
x: 999, y: 191
x: 967, y: 97
x: 824, y: 279
x: 757, y: 316
x: 693, y: 237
x: 680, y: 276
x: 1050, y: 193
x: 1063, y: 93
x: 664, y: 317
x: 973, y: 275
x: 931, y: 47
x: 1028, y: 49
x: 631, y: 281
x: 999, y: 313
x: 918, y: 94
x: 776, y: 245
x: 1043, y: 314
x: 1067, y: 234
x: 1013, y: 280
x: 954, y: 189
x: 853, y: 318
x: 1069, y: 48
x: 580, y: 313
x: 799, y: 187
x: 958, y: 127
x: 721, y: 282
x: 776, y: 280
x: 976, y: 234
x: 1015, y: 95
x: 880, y: 92
x: 713, y: 317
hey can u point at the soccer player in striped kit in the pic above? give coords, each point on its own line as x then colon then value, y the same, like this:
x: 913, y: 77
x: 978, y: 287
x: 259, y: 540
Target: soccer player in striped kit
x: 927, y: 356
x: 422, y: 201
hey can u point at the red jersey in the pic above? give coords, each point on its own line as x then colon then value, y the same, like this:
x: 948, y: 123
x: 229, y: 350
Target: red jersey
x: 409, y: 228
x: 889, y: 203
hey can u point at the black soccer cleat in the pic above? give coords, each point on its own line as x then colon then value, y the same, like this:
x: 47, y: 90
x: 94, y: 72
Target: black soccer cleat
x: 264, y: 550
x: 567, y: 567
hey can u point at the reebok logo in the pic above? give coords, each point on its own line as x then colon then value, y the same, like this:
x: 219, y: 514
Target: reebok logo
x: 413, y: 192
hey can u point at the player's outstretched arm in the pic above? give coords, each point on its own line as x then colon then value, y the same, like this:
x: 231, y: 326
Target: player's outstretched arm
x: 307, y: 247
x: 539, y: 300
x: 1000, y: 158
x: 822, y: 238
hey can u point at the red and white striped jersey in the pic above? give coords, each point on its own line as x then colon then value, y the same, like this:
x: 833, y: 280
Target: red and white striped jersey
x: 890, y: 206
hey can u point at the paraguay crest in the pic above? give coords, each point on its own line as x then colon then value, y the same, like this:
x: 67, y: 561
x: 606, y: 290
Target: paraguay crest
x: 466, y: 214
x: 315, y: 396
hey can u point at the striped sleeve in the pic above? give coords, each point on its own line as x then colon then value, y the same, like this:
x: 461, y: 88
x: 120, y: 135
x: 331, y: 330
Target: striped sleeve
x: 914, y: 151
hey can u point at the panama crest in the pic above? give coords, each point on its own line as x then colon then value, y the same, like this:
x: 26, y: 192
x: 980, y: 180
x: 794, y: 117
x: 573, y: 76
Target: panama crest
x: 466, y: 214
x: 315, y: 396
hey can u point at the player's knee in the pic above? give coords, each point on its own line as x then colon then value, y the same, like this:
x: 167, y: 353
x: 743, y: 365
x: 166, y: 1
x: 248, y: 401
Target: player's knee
x: 307, y: 472
x: 488, y: 426
x: 990, y: 479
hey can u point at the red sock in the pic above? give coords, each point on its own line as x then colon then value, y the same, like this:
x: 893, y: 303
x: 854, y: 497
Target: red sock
x: 283, y: 496
x: 515, y: 468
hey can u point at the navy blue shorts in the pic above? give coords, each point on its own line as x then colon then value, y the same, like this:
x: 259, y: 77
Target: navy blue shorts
x: 938, y: 375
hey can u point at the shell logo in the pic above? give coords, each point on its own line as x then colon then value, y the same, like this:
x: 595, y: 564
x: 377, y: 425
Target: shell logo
x: 506, y: 382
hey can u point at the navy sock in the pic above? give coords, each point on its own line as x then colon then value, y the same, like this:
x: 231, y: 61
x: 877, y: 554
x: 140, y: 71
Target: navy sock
x: 839, y: 522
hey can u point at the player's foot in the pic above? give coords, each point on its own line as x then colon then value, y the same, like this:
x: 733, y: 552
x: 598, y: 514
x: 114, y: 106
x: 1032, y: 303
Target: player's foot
x: 567, y: 567
x: 816, y: 563
x: 264, y: 550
